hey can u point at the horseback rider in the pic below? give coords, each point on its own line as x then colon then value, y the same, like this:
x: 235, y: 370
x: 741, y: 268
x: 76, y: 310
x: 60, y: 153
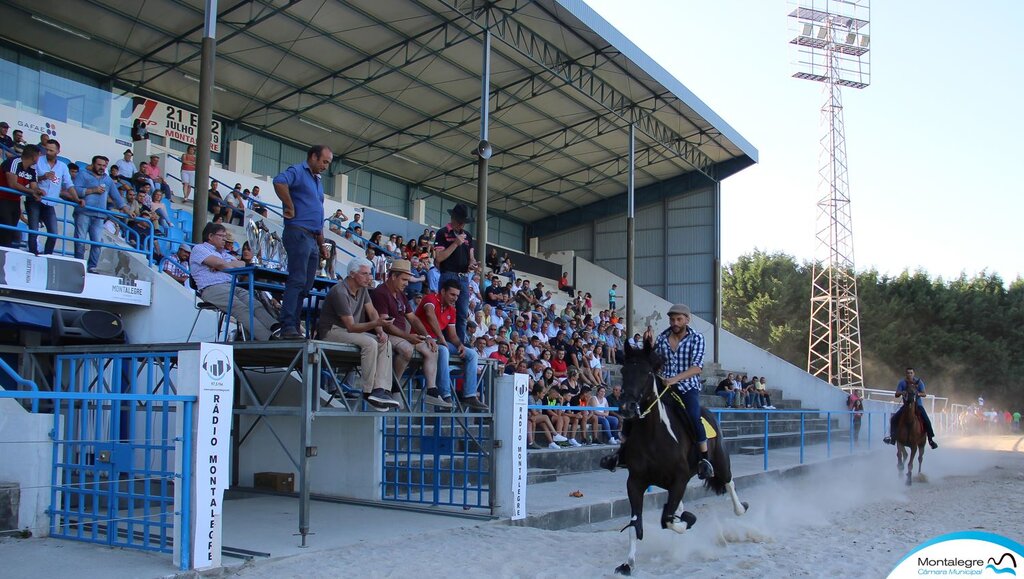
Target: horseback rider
x: 682, y: 349
x: 911, y: 380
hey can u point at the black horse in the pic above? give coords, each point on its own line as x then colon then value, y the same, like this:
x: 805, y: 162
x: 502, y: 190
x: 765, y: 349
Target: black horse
x: 661, y: 449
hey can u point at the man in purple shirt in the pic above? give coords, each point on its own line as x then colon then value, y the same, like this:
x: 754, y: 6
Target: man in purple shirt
x: 407, y: 332
x: 301, y: 190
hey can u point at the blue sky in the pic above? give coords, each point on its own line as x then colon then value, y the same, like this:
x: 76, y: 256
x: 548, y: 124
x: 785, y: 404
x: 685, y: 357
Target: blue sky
x: 931, y: 143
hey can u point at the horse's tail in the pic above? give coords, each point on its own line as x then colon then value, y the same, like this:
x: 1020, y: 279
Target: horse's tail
x: 719, y: 458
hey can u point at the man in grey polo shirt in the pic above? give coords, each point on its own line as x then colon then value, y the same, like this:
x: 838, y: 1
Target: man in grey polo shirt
x: 348, y: 316
x: 206, y: 264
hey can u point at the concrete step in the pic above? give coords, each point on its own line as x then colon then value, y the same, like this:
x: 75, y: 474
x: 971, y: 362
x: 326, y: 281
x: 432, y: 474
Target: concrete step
x: 540, y: 475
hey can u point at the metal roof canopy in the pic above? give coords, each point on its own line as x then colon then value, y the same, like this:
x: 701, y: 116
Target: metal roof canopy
x: 397, y: 83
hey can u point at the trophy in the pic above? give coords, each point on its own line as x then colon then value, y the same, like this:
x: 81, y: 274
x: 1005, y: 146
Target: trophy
x: 254, y: 232
x: 277, y: 254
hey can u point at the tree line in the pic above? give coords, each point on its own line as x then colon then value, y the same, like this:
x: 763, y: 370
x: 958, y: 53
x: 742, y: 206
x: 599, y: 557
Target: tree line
x: 965, y: 337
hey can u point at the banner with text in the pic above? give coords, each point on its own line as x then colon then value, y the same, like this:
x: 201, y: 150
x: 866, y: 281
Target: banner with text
x: 172, y: 122
x: 520, y: 424
x: 213, y: 450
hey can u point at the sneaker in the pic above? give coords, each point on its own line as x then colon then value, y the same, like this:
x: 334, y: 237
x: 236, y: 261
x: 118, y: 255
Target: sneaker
x: 613, y: 440
x: 381, y: 396
x: 933, y: 444
x: 533, y: 446
x: 397, y: 397
x: 434, y: 399
x: 374, y: 404
x: 559, y: 438
x: 472, y: 403
x: 554, y: 446
x: 574, y: 443
x: 288, y: 334
x: 704, y: 469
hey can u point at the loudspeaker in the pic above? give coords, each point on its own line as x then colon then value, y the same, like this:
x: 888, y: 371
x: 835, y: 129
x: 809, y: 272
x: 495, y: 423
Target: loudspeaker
x: 86, y: 327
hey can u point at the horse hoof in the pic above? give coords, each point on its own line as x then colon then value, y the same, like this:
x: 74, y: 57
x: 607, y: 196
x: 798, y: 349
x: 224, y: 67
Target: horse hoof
x: 746, y: 507
x: 689, y: 518
x: 624, y: 569
x: 909, y: 482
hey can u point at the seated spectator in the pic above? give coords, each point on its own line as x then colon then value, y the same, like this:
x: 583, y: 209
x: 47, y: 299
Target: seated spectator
x: 750, y: 397
x: 613, y: 402
x: 762, y: 389
x: 539, y: 420
x: 6, y: 142
x: 563, y: 284
x: 207, y: 264
x: 125, y: 165
x: 254, y: 202
x: 433, y: 276
x: 406, y: 332
x: 501, y: 354
x: 236, y: 201
x: 139, y: 130
x: 336, y: 223
x: 609, y: 424
x: 411, y: 250
x: 216, y: 204
x: 348, y: 316
x: 726, y: 390
x: 19, y: 143
x: 141, y: 176
x: 357, y: 222
x: 156, y: 175
x: 176, y: 265
x: 418, y: 275
x: 437, y: 312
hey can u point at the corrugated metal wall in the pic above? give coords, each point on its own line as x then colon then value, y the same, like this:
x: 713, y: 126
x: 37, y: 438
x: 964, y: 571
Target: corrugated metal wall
x: 675, y: 248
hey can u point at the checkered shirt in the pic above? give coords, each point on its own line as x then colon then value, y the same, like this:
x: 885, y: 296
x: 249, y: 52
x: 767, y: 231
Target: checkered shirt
x: 689, y: 354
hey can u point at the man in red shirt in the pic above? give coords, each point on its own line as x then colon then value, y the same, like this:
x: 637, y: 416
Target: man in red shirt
x: 406, y: 332
x: 437, y: 312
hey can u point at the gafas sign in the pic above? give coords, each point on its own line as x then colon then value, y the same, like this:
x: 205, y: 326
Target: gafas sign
x: 172, y: 122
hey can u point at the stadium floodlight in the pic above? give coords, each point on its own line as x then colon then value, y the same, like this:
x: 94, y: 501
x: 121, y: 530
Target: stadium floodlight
x: 306, y: 121
x: 837, y: 56
x: 194, y: 79
x: 61, y: 27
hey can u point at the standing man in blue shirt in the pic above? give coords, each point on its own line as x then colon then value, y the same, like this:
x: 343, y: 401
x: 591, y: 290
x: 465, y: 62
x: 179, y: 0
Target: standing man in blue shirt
x: 55, y: 183
x: 301, y: 191
x: 911, y: 381
x: 95, y: 187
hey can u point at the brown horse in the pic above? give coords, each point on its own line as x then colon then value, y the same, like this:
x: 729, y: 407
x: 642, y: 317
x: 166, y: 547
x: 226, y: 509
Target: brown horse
x: 910, y: 434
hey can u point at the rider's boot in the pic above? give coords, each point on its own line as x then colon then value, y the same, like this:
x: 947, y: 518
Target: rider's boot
x: 704, y: 468
x: 889, y: 440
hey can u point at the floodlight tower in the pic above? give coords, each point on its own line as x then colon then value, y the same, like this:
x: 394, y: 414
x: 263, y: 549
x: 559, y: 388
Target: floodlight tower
x: 833, y: 41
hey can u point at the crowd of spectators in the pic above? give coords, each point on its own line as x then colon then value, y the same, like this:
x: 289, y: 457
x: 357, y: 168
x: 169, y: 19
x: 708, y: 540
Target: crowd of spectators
x: 740, y: 392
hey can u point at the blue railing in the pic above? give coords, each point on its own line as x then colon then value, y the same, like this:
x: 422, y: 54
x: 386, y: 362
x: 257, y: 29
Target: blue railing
x: 21, y: 382
x: 138, y: 243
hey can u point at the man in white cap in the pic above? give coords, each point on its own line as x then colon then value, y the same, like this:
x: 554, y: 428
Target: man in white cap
x: 407, y: 333
x: 683, y: 352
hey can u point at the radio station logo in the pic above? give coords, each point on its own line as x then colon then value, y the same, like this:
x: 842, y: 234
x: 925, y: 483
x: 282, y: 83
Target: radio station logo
x: 217, y: 365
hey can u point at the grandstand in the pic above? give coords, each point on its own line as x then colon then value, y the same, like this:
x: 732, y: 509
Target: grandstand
x: 397, y: 100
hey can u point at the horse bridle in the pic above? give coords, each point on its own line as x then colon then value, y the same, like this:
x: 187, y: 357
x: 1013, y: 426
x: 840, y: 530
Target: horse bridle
x: 657, y: 397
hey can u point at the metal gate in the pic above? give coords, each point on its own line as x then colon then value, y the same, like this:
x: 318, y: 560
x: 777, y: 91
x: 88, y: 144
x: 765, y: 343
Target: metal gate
x: 115, y: 440
x: 440, y: 458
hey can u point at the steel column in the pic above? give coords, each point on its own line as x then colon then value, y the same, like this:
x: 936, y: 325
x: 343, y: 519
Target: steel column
x: 483, y: 152
x: 209, y: 52
x: 630, y: 224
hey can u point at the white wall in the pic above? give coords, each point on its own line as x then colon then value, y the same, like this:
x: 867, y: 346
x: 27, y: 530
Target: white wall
x: 27, y: 460
x: 740, y: 355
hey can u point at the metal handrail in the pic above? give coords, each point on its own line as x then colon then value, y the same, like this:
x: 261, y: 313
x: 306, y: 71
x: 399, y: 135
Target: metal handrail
x: 20, y: 382
x: 120, y: 218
